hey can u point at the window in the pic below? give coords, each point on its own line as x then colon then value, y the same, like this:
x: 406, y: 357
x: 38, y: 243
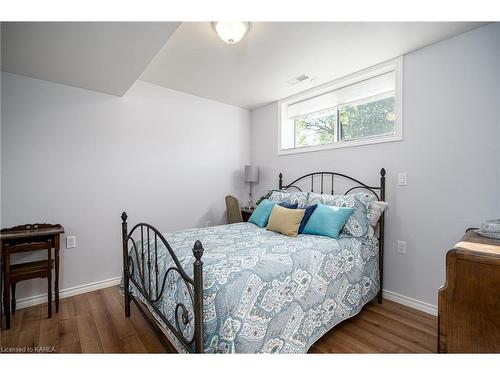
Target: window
x: 363, y: 108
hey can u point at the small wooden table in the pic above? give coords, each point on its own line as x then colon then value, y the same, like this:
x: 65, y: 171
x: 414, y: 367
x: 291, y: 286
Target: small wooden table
x: 29, y: 234
x: 246, y: 213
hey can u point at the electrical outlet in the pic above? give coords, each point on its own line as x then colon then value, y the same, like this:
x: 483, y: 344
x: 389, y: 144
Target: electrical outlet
x: 401, y: 249
x: 402, y: 179
x: 70, y: 242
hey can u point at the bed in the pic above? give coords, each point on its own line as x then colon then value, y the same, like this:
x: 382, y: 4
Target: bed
x: 240, y: 288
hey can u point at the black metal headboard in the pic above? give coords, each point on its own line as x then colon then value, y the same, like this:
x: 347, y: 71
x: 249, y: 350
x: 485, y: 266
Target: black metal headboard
x: 330, y: 178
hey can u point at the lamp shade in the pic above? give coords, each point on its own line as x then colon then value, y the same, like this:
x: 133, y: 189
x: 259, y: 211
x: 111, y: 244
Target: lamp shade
x: 251, y: 173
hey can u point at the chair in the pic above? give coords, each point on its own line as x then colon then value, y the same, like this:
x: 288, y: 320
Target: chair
x: 14, y: 273
x: 233, y: 210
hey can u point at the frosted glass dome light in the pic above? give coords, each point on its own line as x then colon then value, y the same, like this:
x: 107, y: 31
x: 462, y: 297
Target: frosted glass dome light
x: 231, y: 32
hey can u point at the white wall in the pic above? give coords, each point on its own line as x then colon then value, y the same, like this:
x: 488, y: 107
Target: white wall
x: 450, y: 151
x: 79, y: 158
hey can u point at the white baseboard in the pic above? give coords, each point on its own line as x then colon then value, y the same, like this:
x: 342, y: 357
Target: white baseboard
x: 42, y: 298
x: 68, y: 292
x: 410, y: 302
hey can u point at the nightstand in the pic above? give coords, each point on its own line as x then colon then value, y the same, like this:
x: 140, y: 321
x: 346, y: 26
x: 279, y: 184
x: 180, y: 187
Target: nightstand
x: 246, y: 213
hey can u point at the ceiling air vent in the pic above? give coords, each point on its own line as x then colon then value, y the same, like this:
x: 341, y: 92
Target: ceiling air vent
x: 297, y: 79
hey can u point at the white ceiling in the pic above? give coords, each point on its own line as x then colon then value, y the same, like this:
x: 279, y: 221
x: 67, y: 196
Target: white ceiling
x: 106, y: 57
x: 256, y: 70
x: 109, y: 57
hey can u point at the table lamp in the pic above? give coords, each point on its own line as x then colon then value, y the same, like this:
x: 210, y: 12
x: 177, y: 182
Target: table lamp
x: 251, y: 176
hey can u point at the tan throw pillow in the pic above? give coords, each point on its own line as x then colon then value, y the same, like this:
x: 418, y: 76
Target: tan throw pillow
x: 285, y: 220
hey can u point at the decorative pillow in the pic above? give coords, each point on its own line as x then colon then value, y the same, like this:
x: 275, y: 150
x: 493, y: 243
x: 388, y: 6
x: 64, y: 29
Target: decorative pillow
x: 376, y: 210
x: 260, y: 216
x: 327, y: 220
x: 357, y: 225
x: 298, y: 197
x: 293, y: 206
x: 307, y: 215
x: 285, y: 220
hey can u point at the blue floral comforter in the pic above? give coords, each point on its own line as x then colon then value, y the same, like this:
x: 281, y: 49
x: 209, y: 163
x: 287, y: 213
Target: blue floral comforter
x: 265, y: 292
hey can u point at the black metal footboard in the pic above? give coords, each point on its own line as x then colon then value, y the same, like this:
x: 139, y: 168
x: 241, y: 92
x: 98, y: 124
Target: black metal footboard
x: 145, y: 276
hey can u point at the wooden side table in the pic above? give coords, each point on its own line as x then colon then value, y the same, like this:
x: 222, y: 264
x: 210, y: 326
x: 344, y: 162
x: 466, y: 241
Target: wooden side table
x: 246, y: 213
x: 25, y: 238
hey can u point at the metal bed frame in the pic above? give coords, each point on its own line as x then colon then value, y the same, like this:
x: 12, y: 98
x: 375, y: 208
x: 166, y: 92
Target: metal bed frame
x: 151, y: 288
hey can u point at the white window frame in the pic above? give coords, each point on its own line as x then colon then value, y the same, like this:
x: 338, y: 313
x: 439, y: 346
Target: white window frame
x: 395, y: 65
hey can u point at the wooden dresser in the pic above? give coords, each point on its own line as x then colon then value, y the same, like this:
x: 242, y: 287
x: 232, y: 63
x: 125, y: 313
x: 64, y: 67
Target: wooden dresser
x: 469, y: 302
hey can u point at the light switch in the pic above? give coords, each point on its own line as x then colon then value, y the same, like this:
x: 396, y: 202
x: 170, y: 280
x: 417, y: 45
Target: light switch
x: 402, y: 179
x: 70, y: 242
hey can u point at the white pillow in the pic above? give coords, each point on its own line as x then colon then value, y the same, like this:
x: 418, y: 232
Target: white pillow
x: 376, y: 210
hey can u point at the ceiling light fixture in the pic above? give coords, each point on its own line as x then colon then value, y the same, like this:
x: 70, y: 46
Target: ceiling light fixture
x: 231, y: 32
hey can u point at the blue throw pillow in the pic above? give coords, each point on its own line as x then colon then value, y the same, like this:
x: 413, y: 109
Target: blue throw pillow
x: 292, y: 206
x: 261, y: 214
x: 327, y: 220
x: 307, y: 216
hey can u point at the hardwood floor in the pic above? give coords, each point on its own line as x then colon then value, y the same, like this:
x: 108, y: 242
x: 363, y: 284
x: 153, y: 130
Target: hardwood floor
x: 95, y: 323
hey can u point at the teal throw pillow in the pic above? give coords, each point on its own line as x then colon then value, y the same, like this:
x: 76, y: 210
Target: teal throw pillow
x: 261, y: 214
x: 327, y: 220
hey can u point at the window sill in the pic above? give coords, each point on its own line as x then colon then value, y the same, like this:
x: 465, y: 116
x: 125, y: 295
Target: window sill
x: 371, y: 141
